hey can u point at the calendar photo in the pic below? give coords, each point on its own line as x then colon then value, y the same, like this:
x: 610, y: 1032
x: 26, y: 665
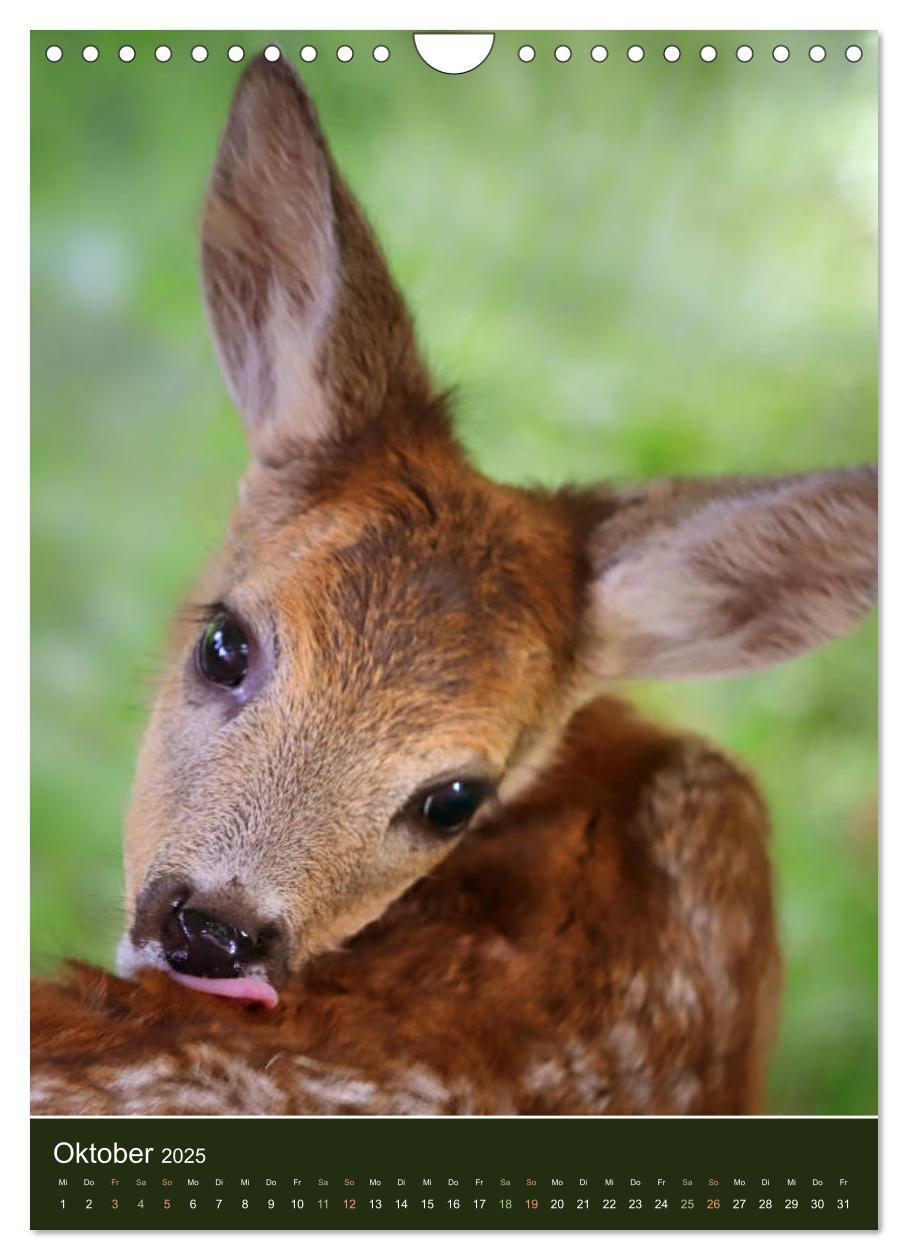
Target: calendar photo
x: 454, y: 660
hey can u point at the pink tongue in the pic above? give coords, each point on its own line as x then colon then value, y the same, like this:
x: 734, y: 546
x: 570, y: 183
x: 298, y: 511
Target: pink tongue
x: 242, y: 990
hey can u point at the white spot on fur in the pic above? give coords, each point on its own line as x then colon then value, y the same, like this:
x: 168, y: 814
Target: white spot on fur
x: 636, y: 992
x: 685, y: 1089
x: 629, y: 1048
x: 131, y: 1079
x: 585, y: 1077
x: 548, y: 1074
x: 330, y: 1087
x: 682, y: 993
x: 425, y: 1084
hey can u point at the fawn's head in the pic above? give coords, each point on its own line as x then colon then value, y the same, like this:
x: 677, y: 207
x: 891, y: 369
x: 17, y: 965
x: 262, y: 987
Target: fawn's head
x: 389, y: 642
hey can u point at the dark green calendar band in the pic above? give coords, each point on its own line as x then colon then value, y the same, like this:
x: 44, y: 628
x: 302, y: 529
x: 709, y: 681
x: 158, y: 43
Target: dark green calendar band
x: 356, y: 1173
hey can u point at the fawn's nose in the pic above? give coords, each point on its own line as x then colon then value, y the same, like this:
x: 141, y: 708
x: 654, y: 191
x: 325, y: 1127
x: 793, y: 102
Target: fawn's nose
x: 210, y: 940
x: 197, y: 943
x: 214, y: 935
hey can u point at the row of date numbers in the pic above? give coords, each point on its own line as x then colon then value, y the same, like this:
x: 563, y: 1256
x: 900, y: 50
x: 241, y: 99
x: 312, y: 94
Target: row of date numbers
x: 479, y: 1205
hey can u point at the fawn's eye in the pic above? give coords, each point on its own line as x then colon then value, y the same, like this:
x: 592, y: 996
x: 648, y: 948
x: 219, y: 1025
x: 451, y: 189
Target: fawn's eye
x: 223, y: 651
x: 448, y: 809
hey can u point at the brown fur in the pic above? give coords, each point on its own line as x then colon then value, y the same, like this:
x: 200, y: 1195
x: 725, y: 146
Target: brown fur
x: 602, y: 939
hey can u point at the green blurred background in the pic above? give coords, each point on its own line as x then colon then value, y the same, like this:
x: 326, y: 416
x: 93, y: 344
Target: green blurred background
x: 627, y: 269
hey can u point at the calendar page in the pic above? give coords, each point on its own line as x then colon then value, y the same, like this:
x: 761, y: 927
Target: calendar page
x: 454, y: 554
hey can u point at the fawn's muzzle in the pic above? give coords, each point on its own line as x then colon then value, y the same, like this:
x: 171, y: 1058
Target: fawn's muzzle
x: 211, y: 941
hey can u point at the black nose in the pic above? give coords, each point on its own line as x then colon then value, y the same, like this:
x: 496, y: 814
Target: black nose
x: 198, y: 944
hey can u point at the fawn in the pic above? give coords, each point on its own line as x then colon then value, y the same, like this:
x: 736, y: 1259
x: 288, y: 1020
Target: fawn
x: 384, y: 801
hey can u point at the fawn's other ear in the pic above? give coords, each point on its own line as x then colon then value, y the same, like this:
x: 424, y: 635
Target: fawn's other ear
x: 724, y: 576
x: 310, y: 330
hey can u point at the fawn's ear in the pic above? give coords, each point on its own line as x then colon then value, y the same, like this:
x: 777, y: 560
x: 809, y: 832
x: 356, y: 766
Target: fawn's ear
x: 310, y: 330
x: 701, y: 577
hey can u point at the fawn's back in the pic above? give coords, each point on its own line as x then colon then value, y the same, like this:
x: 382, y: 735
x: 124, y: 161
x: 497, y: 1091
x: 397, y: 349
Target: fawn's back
x: 390, y: 679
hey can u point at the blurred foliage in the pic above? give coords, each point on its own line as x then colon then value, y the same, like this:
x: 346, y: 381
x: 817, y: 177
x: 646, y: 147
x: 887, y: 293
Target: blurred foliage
x: 628, y: 269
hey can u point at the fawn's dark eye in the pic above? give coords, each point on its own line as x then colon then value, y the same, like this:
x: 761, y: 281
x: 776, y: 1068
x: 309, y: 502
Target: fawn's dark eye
x: 223, y: 651
x: 448, y: 809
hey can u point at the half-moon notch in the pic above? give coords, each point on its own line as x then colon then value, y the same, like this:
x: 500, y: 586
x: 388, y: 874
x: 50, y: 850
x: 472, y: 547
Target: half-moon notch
x: 454, y: 54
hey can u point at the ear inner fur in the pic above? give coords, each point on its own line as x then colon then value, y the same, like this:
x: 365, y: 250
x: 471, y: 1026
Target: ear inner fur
x: 311, y: 330
x: 715, y: 577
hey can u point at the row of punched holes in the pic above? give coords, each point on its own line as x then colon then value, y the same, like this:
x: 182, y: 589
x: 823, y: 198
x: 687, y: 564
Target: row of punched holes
x: 526, y: 53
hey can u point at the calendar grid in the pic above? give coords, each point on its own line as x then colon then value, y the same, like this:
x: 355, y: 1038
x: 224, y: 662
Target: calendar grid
x: 489, y: 1173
